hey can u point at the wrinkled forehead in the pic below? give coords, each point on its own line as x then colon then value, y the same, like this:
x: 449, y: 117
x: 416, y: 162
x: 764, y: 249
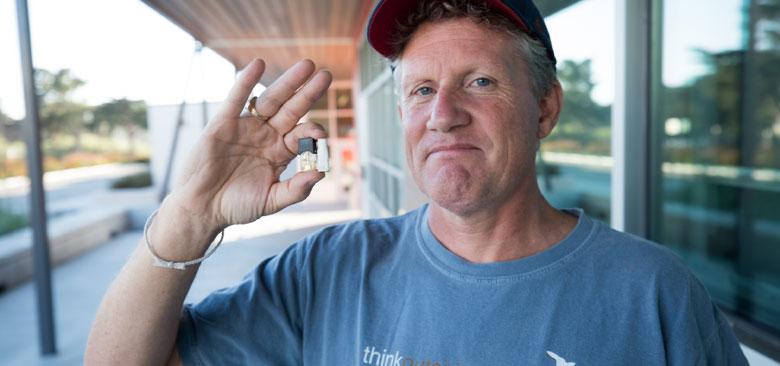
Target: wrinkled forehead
x: 459, y: 43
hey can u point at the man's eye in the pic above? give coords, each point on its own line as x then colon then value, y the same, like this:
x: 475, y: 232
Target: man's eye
x: 482, y: 82
x: 425, y: 90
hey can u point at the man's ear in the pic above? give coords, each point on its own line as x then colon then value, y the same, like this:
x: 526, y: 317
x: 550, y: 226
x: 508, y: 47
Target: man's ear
x: 549, y: 110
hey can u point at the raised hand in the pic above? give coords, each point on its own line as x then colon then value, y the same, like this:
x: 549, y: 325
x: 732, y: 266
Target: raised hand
x: 232, y: 173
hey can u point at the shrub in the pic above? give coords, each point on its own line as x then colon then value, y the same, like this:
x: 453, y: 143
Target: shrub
x: 10, y: 221
x: 138, y: 180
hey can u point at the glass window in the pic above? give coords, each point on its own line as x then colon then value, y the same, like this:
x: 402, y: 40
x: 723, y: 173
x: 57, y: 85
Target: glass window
x: 345, y: 126
x: 574, y: 167
x: 386, y: 128
x: 716, y: 115
x: 344, y: 98
x: 371, y: 64
x: 385, y: 152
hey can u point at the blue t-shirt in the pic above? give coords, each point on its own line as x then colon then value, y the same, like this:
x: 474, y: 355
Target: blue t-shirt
x: 386, y: 292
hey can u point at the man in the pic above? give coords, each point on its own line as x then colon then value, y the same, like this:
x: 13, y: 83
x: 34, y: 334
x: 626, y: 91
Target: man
x: 487, y: 274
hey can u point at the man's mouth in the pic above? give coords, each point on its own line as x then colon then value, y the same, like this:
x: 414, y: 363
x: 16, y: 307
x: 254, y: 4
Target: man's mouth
x: 452, y: 149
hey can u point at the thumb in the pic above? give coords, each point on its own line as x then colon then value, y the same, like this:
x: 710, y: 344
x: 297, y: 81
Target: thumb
x: 293, y: 190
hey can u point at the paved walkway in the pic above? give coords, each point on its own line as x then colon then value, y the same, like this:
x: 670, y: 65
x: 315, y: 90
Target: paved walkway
x: 79, y: 284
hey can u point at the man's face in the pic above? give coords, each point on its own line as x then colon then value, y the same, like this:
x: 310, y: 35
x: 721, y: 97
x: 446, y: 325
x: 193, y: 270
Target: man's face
x: 471, y: 122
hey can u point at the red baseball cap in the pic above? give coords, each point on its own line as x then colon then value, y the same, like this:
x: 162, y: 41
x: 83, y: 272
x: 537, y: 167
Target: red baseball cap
x: 384, y: 20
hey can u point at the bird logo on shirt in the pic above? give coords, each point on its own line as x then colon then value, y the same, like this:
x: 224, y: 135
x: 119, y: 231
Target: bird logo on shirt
x: 559, y: 361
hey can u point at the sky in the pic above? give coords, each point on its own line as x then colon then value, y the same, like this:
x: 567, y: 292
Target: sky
x: 569, y: 38
x: 712, y: 26
x: 121, y: 48
x: 587, y: 30
x: 124, y: 49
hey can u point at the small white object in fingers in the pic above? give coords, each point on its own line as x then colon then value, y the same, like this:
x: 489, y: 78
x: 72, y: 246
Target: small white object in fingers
x: 323, y: 155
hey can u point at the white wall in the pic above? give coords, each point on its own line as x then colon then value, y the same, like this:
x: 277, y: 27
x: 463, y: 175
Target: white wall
x: 162, y: 124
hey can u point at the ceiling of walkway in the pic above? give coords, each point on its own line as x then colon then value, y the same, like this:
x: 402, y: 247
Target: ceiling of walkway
x: 279, y: 31
x: 282, y: 31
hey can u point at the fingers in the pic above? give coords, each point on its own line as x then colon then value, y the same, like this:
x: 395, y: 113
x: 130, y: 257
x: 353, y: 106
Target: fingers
x: 272, y: 99
x: 293, y: 109
x: 308, y: 129
x: 240, y: 91
x: 293, y: 190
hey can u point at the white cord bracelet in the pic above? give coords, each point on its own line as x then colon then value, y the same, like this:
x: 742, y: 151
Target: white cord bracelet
x: 164, y: 263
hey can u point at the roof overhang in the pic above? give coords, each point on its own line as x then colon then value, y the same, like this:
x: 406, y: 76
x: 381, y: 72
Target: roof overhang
x: 283, y: 31
x: 279, y: 31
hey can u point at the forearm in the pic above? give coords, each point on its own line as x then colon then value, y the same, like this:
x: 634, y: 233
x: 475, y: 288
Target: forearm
x: 139, y: 316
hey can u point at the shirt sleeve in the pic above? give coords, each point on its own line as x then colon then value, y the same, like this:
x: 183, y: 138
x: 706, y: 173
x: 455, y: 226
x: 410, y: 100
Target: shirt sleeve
x: 723, y: 347
x: 256, y: 322
x: 697, y: 332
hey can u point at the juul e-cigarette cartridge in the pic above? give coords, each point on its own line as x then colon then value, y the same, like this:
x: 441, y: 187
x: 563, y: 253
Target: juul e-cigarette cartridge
x: 313, y: 154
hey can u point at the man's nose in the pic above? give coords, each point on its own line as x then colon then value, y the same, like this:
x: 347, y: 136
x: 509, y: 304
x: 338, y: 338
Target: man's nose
x: 446, y: 113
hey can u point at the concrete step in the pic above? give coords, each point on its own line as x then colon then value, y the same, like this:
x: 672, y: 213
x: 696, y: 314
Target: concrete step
x: 69, y: 236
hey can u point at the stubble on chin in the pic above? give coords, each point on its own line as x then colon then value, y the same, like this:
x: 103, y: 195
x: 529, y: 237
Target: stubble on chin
x: 455, y: 189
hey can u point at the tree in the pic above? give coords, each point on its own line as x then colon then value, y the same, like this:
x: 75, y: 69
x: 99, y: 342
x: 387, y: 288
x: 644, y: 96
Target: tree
x: 10, y: 129
x: 129, y: 115
x: 4, y: 119
x: 59, y: 114
x: 582, y: 120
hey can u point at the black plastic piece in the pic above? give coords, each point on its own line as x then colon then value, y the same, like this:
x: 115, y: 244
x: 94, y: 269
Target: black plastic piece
x: 307, y: 144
